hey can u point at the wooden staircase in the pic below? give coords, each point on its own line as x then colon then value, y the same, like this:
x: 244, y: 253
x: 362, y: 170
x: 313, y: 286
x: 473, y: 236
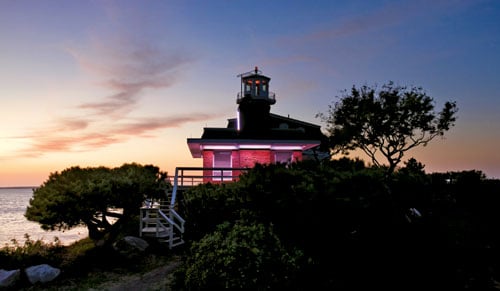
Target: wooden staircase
x: 160, y: 220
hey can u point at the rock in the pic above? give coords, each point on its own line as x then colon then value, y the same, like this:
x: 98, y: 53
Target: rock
x: 42, y: 273
x: 131, y: 246
x: 9, y: 278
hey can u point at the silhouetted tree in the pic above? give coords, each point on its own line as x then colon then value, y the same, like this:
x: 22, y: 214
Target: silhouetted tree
x: 389, y: 121
x: 86, y: 196
x: 412, y: 166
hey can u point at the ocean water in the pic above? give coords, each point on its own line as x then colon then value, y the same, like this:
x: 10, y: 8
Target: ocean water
x: 13, y: 224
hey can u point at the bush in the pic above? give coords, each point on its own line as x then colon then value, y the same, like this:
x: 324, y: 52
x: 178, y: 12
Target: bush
x: 325, y: 209
x: 339, y: 214
x: 207, y: 205
x: 32, y: 252
x: 241, y: 256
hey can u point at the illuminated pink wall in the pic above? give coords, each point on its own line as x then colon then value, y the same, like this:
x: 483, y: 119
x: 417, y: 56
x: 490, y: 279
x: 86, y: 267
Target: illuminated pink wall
x: 235, y: 157
x: 297, y: 156
x: 243, y: 159
x: 208, y: 162
x: 248, y: 158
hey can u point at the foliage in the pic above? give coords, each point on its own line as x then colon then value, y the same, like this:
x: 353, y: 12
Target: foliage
x: 245, y: 256
x: 83, y: 265
x: 308, y: 196
x: 323, y: 226
x: 410, y: 186
x: 313, y: 197
x: 30, y: 253
x: 320, y: 209
x: 207, y: 205
x: 87, y: 196
x: 17, y: 256
x: 389, y: 121
x: 346, y: 218
x: 132, y: 183
x: 466, y: 204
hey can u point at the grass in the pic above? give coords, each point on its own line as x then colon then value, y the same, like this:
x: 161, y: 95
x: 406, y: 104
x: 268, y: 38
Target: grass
x: 83, y: 265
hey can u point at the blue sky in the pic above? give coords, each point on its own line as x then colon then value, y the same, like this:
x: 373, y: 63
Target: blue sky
x: 95, y: 83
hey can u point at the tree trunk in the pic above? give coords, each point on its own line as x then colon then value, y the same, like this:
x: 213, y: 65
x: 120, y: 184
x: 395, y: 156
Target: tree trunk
x: 94, y: 232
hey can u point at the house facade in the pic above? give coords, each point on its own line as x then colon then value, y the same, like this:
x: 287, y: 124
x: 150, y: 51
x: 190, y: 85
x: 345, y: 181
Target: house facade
x: 255, y: 135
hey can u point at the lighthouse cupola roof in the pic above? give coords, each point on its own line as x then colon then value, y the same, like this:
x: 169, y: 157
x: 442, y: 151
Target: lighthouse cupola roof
x: 255, y: 86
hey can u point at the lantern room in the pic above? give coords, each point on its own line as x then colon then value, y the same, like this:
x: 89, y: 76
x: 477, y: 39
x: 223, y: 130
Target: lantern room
x: 255, y: 86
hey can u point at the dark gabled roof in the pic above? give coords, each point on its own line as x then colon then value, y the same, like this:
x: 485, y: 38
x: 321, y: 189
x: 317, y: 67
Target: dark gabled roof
x: 277, y: 120
x: 281, y: 131
x: 295, y: 122
x: 219, y: 133
x: 272, y: 133
x: 279, y: 128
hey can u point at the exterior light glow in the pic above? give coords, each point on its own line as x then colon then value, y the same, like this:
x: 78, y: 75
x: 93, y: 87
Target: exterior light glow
x: 286, y: 148
x: 255, y: 146
x: 238, y: 126
x: 220, y: 147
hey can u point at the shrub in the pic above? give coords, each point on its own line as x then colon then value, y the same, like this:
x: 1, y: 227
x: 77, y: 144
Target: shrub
x: 241, y: 256
x: 207, y: 205
x: 30, y: 253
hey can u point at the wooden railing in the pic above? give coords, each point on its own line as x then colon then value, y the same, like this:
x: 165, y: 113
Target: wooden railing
x: 186, y: 177
x: 166, y: 222
x: 178, y: 222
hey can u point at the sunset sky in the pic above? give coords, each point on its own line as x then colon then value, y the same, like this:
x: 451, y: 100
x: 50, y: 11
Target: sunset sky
x: 103, y: 83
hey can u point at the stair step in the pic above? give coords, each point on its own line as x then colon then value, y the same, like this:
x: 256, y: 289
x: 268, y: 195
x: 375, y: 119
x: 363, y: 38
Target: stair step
x: 175, y: 242
x: 153, y: 220
x: 156, y: 232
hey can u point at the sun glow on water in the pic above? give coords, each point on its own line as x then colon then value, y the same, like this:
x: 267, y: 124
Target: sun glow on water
x: 13, y: 203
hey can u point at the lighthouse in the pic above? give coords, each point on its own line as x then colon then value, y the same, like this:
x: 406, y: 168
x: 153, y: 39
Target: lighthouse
x: 254, y: 103
x: 255, y: 136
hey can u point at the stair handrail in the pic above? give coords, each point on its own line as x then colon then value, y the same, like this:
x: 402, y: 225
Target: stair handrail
x: 174, y: 189
x: 164, y: 216
x: 179, y: 173
x: 175, y: 215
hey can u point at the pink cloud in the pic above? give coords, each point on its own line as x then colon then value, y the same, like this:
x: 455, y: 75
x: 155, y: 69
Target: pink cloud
x: 373, y: 21
x: 67, y: 124
x: 144, y: 125
x: 387, y: 15
x: 126, y: 68
x: 64, y: 136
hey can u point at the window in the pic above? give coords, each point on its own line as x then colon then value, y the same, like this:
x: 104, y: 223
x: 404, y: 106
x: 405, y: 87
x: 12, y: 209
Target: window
x: 257, y: 88
x: 248, y: 86
x: 222, y: 159
x: 283, y: 157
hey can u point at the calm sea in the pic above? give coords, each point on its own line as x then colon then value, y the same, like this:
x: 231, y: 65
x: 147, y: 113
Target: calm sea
x: 13, y: 224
